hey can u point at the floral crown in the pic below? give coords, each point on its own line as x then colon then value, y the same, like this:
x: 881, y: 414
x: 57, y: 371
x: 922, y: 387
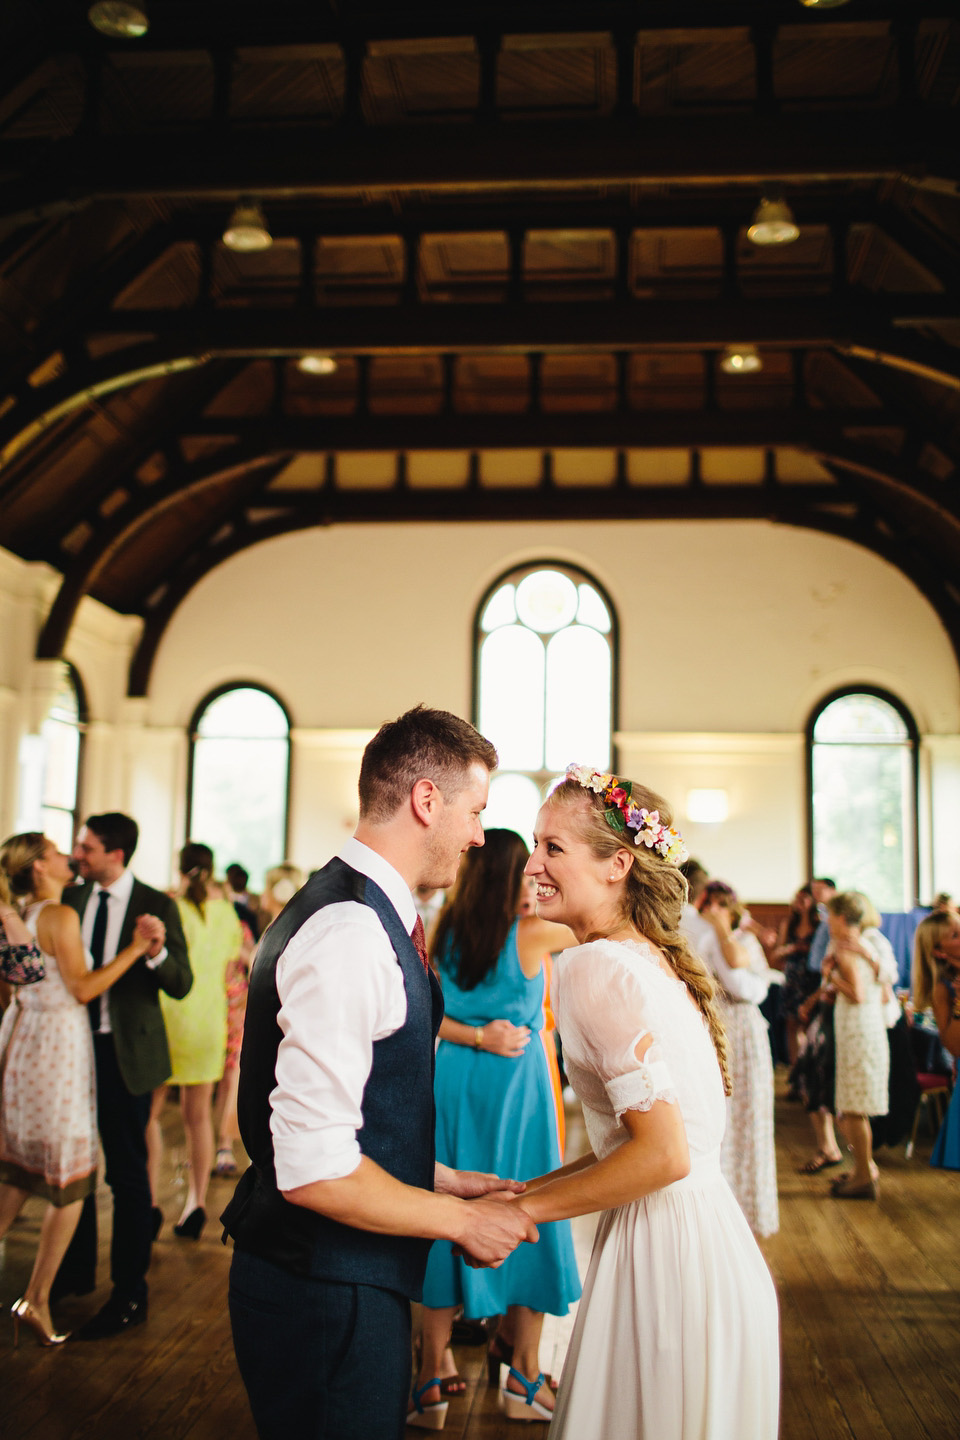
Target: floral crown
x: 622, y: 814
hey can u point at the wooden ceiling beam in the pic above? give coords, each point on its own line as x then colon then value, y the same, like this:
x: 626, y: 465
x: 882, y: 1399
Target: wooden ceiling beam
x: 327, y: 160
x: 633, y: 429
x: 577, y: 326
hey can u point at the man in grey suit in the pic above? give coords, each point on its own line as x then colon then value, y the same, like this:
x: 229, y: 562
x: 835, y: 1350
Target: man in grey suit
x: 131, y: 1053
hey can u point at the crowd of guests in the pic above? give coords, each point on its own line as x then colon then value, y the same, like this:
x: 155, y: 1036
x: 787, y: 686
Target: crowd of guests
x: 91, y: 1043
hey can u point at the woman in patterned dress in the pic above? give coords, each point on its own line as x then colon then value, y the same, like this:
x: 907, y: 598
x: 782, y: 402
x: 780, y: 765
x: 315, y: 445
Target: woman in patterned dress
x: 853, y: 968
x: 48, y: 1116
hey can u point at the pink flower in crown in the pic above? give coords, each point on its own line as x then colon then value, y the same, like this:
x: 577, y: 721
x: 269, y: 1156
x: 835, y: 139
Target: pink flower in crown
x: 617, y: 796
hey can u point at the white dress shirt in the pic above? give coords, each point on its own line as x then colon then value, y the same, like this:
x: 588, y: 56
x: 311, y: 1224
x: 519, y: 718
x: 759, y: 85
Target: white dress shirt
x: 119, y: 895
x: 741, y: 984
x: 341, y: 988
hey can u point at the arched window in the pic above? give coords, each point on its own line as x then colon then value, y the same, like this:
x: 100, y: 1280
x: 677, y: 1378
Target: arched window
x: 238, y: 785
x: 862, y: 759
x: 545, y: 655
x: 62, y: 735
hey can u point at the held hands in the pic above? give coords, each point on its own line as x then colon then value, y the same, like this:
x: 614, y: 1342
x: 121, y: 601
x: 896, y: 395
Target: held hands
x: 493, y: 1228
x: 500, y: 1037
x: 151, y: 933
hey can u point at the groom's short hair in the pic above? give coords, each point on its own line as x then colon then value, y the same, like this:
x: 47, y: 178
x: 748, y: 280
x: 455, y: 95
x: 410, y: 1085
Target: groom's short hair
x: 421, y: 744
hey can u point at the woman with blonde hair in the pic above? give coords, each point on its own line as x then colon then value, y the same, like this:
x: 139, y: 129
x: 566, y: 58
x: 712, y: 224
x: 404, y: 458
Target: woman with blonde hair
x: 857, y: 968
x: 677, y: 1331
x: 936, y: 987
x: 197, y: 1032
x: 48, y: 1116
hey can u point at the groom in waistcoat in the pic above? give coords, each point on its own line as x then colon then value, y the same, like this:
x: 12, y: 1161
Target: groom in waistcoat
x: 333, y: 1220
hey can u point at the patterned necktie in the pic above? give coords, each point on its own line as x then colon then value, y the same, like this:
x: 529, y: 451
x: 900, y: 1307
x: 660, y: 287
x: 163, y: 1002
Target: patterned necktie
x: 420, y: 941
x: 97, y: 942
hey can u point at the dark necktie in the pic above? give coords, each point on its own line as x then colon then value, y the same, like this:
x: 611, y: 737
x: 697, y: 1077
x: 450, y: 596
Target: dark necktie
x: 420, y: 941
x: 97, y: 942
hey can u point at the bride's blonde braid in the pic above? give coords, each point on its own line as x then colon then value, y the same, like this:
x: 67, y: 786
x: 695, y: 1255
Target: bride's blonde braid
x: 655, y: 896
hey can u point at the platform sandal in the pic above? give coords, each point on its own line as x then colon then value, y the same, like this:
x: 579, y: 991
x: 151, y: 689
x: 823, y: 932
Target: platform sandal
x: 427, y: 1417
x: 520, y: 1407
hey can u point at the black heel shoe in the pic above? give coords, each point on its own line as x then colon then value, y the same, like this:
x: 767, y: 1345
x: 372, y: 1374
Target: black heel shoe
x: 192, y: 1227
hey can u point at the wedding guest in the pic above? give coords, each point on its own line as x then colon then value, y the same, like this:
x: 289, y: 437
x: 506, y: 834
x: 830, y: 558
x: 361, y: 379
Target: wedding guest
x: 936, y: 986
x: 677, y: 1331
x: 48, y: 1117
x: 748, y: 1155
x: 791, y: 955
x: 197, y: 1032
x: 333, y: 1220
x: 280, y: 884
x: 495, y: 1112
x: 225, y: 1106
x: 853, y: 968
x: 131, y: 1057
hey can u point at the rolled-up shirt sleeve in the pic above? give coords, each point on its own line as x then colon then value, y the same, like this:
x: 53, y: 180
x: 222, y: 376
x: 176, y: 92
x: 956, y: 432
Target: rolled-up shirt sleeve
x: 341, y: 989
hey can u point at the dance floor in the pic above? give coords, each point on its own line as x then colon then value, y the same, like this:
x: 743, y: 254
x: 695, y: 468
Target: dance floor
x: 870, y: 1300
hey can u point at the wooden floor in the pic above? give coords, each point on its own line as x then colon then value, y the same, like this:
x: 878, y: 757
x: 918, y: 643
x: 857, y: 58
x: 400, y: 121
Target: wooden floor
x: 869, y: 1299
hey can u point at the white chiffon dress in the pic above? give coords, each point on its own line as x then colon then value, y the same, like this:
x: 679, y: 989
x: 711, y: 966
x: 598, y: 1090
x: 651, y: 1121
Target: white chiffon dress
x: 677, y: 1334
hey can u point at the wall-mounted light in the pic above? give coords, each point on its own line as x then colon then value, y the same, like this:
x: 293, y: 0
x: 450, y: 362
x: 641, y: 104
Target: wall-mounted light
x: 317, y: 364
x: 740, y: 360
x: 707, y: 807
x: 247, y: 230
x: 824, y: 4
x: 773, y: 222
x: 120, y: 19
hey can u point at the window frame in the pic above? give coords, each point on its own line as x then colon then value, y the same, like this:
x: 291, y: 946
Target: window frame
x: 193, y: 737
x: 527, y: 567
x: 83, y: 721
x: 913, y: 734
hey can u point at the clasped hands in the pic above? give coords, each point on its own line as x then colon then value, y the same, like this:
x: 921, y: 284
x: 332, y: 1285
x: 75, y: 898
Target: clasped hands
x: 153, y: 931
x: 494, y: 1222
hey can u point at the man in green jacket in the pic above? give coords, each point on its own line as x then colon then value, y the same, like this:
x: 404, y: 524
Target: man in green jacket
x: 131, y: 1054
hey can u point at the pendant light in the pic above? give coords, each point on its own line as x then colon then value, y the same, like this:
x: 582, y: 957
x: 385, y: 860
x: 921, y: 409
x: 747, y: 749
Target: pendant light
x: 120, y: 19
x: 247, y: 229
x: 773, y: 222
x: 740, y: 360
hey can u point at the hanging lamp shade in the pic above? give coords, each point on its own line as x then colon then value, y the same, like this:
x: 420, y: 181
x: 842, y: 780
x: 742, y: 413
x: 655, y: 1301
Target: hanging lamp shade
x: 823, y: 4
x: 773, y: 222
x: 740, y: 360
x: 317, y: 364
x: 120, y: 19
x: 247, y: 229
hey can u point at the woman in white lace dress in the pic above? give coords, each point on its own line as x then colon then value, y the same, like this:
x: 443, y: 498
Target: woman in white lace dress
x: 48, y: 1115
x: 854, y: 968
x: 676, y: 1337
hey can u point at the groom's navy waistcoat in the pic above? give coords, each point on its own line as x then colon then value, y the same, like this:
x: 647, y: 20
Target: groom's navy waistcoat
x: 397, y: 1109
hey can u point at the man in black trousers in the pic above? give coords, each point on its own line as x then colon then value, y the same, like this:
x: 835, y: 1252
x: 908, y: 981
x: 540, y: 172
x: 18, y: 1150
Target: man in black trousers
x: 132, y: 1059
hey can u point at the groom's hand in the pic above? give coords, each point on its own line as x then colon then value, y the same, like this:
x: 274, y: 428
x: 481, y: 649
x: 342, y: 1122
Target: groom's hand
x: 471, y: 1184
x: 492, y: 1230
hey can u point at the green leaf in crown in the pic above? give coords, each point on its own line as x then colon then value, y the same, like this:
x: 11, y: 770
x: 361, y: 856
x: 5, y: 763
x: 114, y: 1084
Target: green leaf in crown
x: 615, y: 820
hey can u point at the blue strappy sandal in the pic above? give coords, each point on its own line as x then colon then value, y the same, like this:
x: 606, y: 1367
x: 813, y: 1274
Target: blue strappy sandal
x: 515, y: 1407
x: 427, y: 1417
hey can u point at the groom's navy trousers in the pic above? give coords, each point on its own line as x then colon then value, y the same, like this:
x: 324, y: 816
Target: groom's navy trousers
x: 321, y: 1360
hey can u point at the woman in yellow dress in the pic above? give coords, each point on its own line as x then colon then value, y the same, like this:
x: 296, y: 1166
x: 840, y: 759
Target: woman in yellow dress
x: 196, y: 1031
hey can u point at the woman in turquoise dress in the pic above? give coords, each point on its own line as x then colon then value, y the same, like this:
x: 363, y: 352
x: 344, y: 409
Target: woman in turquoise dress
x: 495, y: 1108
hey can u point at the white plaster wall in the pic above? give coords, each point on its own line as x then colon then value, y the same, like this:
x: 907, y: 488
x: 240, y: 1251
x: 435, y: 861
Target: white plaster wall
x: 736, y: 626
x: 729, y: 634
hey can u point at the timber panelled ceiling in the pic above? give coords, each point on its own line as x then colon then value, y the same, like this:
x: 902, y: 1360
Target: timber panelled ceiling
x: 520, y: 231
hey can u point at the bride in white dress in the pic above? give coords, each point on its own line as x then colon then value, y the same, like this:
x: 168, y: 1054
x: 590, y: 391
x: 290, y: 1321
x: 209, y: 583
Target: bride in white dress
x: 677, y: 1332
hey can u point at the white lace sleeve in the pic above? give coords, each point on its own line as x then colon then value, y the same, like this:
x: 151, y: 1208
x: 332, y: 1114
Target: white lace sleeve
x: 604, y: 1011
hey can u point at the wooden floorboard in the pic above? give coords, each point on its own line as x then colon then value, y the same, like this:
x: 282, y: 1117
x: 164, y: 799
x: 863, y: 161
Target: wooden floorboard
x: 869, y: 1295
